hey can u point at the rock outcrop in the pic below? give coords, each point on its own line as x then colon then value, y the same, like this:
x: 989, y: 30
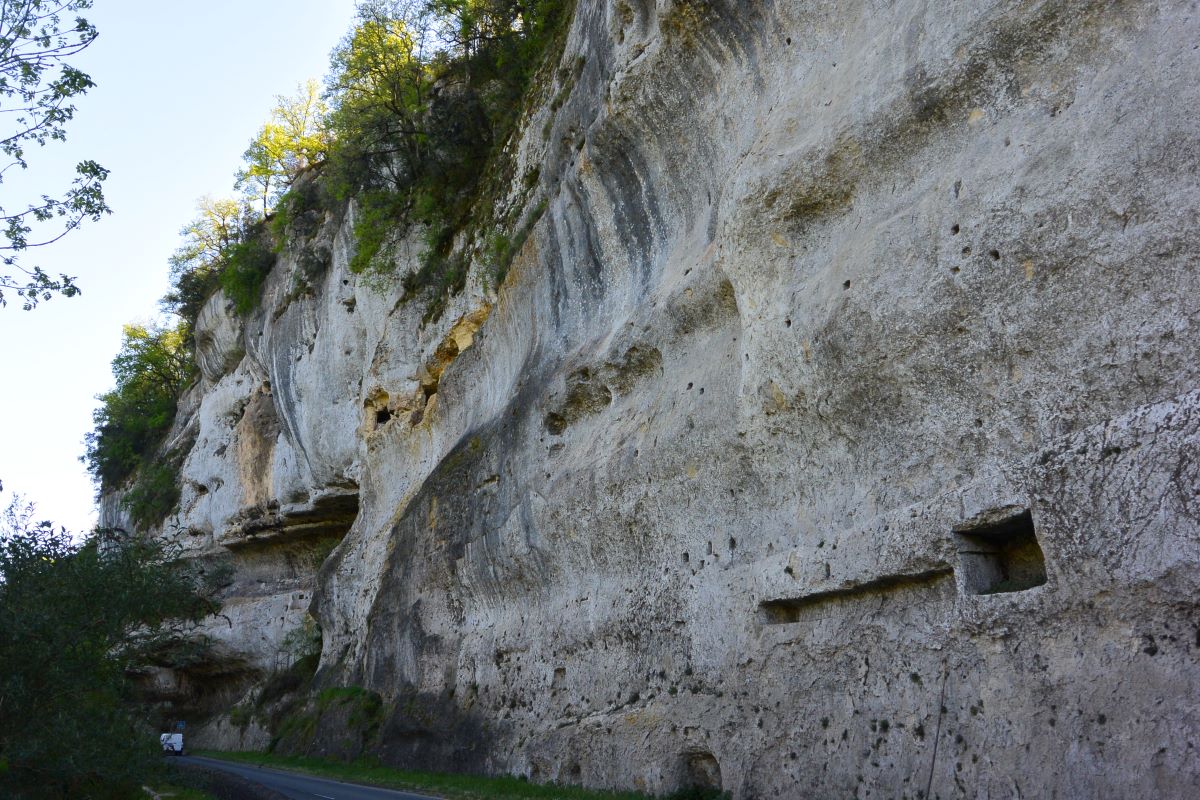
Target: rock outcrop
x: 833, y: 433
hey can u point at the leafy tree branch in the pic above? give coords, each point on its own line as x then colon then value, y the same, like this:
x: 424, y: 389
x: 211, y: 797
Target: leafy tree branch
x: 37, y: 93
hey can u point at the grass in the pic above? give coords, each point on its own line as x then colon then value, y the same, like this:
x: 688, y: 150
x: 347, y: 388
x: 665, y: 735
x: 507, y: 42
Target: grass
x: 451, y: 786
x: 171, y: 792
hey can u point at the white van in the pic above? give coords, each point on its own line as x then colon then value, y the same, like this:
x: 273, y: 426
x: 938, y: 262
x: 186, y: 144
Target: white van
x: 172, y: 743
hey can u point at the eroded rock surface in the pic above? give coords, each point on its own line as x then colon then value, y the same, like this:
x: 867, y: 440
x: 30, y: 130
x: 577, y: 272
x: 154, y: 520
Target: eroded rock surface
x: 835, y: 430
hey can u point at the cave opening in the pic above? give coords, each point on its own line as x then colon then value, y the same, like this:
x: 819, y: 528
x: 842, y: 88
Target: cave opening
x: 1000, y: 555
x: 701, y: 771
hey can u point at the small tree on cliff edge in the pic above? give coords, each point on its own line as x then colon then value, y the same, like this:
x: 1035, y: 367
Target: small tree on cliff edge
x: 76, y: 621
x: 294, y: 139
x: 37, y: 90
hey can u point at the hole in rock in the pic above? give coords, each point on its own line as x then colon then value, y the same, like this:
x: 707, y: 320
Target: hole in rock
x: 995, y: 254
x: 999, y: 552
x: 846, y: 285
x: 382, y: 416
x: 701, y: 771
x: 954, y: 230
x: 966, y: 251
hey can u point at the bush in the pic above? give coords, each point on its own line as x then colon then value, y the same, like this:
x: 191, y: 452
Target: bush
x: 417, y: 123
x: 208, y: 240
x: 378, y: 212
x: 155, y: 492
x: 77, y: 621
x: 152, y: 367
x: 247, y: 265
x: 226, y: 246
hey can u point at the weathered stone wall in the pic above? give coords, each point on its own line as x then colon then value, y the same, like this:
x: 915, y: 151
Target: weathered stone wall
x: 833, y: 434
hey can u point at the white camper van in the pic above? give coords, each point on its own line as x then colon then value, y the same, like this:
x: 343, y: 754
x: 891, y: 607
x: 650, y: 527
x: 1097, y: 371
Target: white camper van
x: 172, y: 743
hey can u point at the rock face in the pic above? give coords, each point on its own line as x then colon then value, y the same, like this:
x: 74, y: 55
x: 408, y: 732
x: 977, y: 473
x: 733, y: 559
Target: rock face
x: 834, y: 432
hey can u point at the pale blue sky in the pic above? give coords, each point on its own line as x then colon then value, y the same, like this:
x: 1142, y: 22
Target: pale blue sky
x: 182, y: 86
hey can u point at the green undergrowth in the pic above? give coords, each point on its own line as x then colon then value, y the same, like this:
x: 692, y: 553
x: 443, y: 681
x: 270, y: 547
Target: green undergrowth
x: 126, y: 447
x: 452, y: 786
x: 247, y: 265
x: 456, y: 168
x: 155, y: 492
x: 174, y: 791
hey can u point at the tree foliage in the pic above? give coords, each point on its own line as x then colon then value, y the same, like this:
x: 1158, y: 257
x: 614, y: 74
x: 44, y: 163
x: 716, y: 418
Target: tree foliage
x: 420, y: 95
x: 294, y: 138
x: 379, y: 83
x: 76, y: 621
x: 228, y: 246
x: 246, y: 267
x: 38, y: 90
x: 151, y: 369
x: 219, y: 226
x: 423, y: 93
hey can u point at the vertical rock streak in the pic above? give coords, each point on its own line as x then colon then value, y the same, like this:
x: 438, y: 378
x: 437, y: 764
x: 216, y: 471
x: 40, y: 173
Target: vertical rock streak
x: 837, y: 412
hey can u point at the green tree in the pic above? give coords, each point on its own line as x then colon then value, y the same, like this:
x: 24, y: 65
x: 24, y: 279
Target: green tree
x: 77, y: 620
x: 220, y: 225
x: 294, y: 139
x: 423, y: 93
x: 151, y: 369
x: 468, y: 27
x: 37, y: 95
x: 380, y: 81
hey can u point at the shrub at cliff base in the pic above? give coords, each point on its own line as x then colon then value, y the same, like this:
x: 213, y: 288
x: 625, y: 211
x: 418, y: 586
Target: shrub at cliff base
x: 77, y: 620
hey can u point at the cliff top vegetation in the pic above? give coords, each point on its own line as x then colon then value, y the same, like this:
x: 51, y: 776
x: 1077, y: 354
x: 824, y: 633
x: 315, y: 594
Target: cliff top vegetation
x: 420, y: 99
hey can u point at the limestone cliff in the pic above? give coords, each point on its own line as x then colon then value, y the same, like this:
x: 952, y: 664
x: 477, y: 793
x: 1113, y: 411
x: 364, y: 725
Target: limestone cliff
x: 834, y: 432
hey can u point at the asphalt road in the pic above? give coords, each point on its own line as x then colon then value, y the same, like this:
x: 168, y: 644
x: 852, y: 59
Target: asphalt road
x: 303, y: 787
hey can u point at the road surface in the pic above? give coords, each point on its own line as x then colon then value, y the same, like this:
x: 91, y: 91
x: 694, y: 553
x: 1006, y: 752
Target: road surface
x: 303, y: 787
